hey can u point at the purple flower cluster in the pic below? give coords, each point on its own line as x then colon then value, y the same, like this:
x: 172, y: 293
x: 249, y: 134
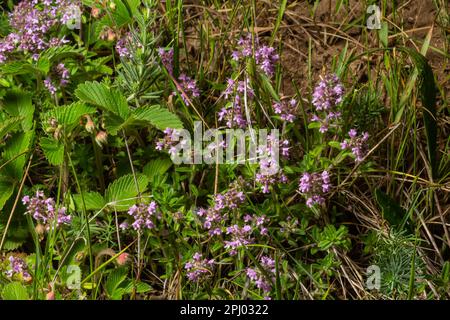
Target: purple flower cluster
x: 166, y: 59
x: 198, y: 269
x: 61, y: 73
x: 265, y: 56
x: 123, y: 46
x: 233, y: 115
x: 170, y: 140
x: 313, y: 186
x: 216, y: 214
x: 358, y: 145
x: 241, y: 236
x: 31, y: 22
x: 259, y: 279
x: 189, y: 88
x: 327, y: 95
x: 266, y: 180
x: 143, y: 215
x: 19, y: 267
x: 286, y: 110
x: 43, y: 210
x: 269, y: 172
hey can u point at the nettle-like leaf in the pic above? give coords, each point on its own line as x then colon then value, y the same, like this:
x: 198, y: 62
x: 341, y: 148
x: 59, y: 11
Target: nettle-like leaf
x: 53, y: 150
x: 156, y: 167
x: 6, y: 191
x: 141, y: 287
x: 15, y: 154
x: 9, y: 125
x: 17, y: 67
x: 58, y: 53
x: 120, y: 16
x: 17, y: 103
x: 158, y: 116
x: 118, y: 115
x: 92, y: 201
x: 16, y: 236
x: 115, y: 279
x: 14, y: 291
x: 121, y: 194
x: 70, y: 115
x: 100, y: 95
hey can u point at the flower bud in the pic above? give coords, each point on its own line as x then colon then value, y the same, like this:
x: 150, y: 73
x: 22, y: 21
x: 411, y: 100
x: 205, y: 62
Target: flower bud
x: 101, y: 138
x: 57, y: 133
x: 40, y: 230
x: 112, y: 5
x: 90, y: 125
x: 111, y: 36
x: 50, y: 295
x: 95, y: 12
x: 122, y: 259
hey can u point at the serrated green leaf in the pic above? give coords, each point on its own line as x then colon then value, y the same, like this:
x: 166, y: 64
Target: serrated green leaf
x: 115, y: 278
x: 92, y: 200
x: 156, y: 167
x: 15, y: 153
x: 9, y: 125
x: 53, y: 150
x: 43, y: 65
x: 158, y: 116
x: 60, y: 52
x: 141, y: 287
x: 16, y: 68
x: 122, y: 192
x: 120, y: 16
x: 14, y: 291
x: 18, y: 104
x: 6, y: 191
x: 100, y: 95
x: 70, y: 115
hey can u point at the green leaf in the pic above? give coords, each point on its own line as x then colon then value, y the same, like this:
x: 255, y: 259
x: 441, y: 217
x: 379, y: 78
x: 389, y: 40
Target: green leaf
x: 53, y: 150
x: 92, y: 200
x: 115, y: 278
x: 106, y: 98
x: 14, y: 291
x: 9, y: 125
x: 58, y: 53
x: 158, y: 116
x: 141, y: 287
x: 43, y: 65
x: 73, y: 247
x: 6, y: 191
x: 335, y: 144
x: 383, y: 34
x: 16, y: 68
x: 15, y: 153
x: 120, y: 16
x: 314, y: 125
x: 114, y: 123
x: 18, y: 104
x: 156, y: 167
x: 391, y: 210
x: 122, y: 192
x: 70, y: 115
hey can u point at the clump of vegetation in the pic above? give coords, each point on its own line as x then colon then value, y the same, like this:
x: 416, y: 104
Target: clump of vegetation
x: 120, y: 121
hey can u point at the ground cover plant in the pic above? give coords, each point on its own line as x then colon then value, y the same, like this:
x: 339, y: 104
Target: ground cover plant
x: 106, y: 192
